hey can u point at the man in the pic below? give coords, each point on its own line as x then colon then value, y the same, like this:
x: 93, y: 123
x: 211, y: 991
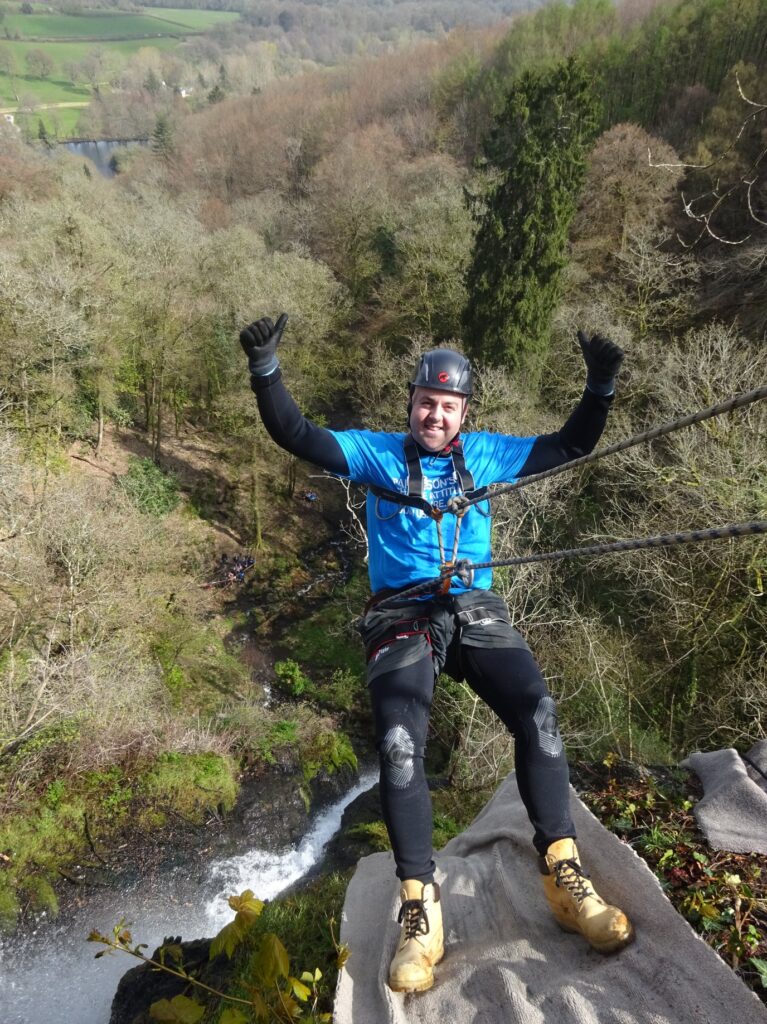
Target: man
x: 466, y: 632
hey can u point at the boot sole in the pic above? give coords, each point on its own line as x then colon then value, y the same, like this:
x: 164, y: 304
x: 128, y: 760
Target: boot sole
x: 613, y: 946
x: 423, y: 986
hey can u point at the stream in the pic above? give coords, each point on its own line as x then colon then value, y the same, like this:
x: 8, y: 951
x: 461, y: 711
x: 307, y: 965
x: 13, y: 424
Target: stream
x: 50, y: 976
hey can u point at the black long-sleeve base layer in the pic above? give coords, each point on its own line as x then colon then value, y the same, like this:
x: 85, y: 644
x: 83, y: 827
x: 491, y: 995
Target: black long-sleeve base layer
x: 292, y: 431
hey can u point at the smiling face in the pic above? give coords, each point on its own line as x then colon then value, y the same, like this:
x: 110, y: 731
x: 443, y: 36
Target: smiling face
x: 436, y: 417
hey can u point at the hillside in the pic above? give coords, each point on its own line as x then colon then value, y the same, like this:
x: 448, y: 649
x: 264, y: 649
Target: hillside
x: 52, y: 59
x: 376, y: 202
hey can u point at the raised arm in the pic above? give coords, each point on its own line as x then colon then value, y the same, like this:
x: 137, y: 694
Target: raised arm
x: 584, y: 426
x: 282, y: 418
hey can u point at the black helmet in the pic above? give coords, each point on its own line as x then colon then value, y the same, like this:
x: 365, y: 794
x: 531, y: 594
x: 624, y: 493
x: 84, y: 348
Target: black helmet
x: 443, y: 369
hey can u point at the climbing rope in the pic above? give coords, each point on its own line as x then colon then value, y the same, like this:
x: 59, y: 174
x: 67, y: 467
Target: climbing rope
x: 463, y: 567
x: 661, y: 540
x: 461, y: 503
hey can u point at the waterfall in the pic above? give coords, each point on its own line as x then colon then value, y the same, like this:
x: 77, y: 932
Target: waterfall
x: 101, y: 152
x: 50, y: 976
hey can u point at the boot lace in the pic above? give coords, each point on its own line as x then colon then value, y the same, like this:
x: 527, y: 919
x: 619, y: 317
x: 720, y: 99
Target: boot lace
x: 571, y: 876
x: 413, y: 913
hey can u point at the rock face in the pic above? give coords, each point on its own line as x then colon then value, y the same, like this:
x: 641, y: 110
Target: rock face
x: 343, y: 851
x: 271, y: 810
x: 141, y: 986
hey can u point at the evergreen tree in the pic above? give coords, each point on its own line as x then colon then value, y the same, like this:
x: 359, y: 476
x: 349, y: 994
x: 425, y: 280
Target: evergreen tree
x: 152, y: 83
x: 536, y: 155
x: 162, y: 137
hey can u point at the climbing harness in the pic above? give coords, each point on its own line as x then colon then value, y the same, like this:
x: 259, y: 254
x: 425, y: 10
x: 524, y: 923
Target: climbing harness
x: 414, y: 498
x: 460, y: 504
x: 414, y: 494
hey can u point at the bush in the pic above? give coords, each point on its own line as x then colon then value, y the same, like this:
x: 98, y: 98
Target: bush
x: 192, y: 783
x: 150, y: 488
x: 650, y: 653
x: 481, y: 750
x: 328, y: 751
x: 342, y: 691
x: 338, y: 693
x: 290, y: 678
x: 282, y: 735
x: 196, y: 667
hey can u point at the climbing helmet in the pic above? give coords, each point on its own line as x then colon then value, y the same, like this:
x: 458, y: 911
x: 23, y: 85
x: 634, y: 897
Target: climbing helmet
x: 445, y: 370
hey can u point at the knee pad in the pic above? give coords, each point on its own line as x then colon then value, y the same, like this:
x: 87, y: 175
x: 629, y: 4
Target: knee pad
x: 547, y: 727
x: 398, y: 757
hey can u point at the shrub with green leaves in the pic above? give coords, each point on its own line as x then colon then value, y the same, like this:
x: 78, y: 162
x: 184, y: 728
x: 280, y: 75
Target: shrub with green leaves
x: 291, y: 679
x: 192, y: 783
x: 151, y: 489
x: 271, y: 992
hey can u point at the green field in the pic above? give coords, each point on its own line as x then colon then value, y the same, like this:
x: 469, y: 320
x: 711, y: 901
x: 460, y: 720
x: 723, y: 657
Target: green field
x: 194, y: 20
x: 69, y: 39
x: 66, y: 51
x: 61, y: 123
x: 109, y: 26
x: 55, y: 89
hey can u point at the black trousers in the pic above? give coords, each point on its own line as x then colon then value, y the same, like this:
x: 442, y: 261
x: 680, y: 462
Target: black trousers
x: 469, y: 636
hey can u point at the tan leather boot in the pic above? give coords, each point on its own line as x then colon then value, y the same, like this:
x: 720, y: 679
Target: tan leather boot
x: 421, y: 942
x: 576, y: 905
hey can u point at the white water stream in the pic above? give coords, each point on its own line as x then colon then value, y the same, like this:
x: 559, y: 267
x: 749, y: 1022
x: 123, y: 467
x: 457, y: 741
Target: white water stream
x: 51, y: 976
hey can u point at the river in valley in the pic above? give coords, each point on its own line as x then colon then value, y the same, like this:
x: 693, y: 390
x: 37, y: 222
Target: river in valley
x: 50, y: 975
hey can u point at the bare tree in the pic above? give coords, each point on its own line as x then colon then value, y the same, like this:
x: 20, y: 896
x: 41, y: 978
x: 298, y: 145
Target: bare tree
x: 705, y: 208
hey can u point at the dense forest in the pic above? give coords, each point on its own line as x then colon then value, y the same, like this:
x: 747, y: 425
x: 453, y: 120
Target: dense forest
x: 606, y: 164
x: 327, y: 32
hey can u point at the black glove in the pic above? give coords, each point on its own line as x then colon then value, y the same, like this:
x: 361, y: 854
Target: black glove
x: 603, y: 360
x: 260, y: 340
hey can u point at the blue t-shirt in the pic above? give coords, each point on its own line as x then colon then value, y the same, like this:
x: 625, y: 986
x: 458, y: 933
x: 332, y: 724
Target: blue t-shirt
x: 402, y: 541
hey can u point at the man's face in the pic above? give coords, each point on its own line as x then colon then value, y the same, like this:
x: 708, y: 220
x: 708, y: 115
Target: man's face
x: 436, y: 417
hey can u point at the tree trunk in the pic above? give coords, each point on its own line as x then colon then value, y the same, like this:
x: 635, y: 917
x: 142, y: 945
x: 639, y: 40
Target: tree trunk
x: 147, y: 403
x: 158, y: 424
x: 255, y: 509
x: 25, y: 396
x: 100, y: 436
x: 176, y: 413
x: 292, y: 471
